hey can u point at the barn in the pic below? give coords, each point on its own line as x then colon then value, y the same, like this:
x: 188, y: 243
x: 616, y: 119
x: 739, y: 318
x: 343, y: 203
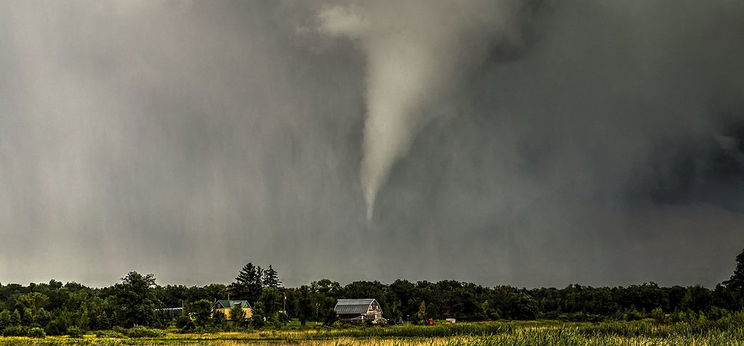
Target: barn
x: 358, y: 310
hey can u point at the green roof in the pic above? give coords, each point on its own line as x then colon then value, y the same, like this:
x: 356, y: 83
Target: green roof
x: 228, y: 304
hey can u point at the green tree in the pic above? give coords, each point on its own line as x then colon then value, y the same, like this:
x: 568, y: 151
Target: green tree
x: 521, y: 306
x: 405, y: 293
x: 214, y: 292
x: 271, y: 278
x: 27, y: 317
x: 55, y: 284
x: 33, y: 300
x: 61, y: 322
x: 135, y: 300
x: 4, y: 319
x: 736, y: 282
x: 421, y: 314
x: 248, y: 283
x: 202, y: 309
x: 42, y: 317
x: 95, y: 316
x: 258, y: 319
x: 184, y: 322
x: 697, y: 298
x: 218, y: 320
x: 237, y: 314
x: 327, y: 288
x: 488, y: 312
x: 15, y: 318
x: 324, y: 295
x: 272, y: 300
x: 305, y: 308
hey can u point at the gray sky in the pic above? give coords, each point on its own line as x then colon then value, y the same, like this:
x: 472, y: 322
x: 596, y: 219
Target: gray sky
x: 531, y: 143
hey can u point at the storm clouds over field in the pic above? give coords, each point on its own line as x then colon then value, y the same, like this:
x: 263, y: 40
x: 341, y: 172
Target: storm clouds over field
x: 533, y: 143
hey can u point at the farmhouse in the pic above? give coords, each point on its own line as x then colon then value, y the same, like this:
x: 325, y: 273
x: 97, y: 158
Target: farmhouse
x: 358, y: 310
x: 224, y: 307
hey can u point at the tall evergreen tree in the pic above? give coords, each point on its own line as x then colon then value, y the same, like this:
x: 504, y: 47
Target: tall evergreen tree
x: 259, y: 277
x: 271, y: 278
x: 248, y: 283
x: 246, y: 274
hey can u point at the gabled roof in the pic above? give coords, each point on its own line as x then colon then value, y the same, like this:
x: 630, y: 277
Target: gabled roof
x: 353, y: 306
x: 227, y: 304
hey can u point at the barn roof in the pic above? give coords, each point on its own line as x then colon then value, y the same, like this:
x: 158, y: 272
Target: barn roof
x: 353, y: 306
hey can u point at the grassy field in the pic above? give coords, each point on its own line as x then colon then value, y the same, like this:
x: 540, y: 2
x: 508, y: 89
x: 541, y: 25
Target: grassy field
x: 485, y: 333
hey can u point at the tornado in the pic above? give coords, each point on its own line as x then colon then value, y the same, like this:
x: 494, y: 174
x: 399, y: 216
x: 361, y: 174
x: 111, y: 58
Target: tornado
x: 415, y: 52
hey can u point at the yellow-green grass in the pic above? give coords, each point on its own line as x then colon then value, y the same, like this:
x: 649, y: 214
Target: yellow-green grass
x: 484, y: 333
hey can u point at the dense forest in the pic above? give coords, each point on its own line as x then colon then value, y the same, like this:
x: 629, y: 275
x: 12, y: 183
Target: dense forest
x: 59, y: 308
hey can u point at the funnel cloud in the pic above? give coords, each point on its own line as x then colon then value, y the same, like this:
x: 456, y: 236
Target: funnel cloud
x: 520, y: 142
x: 413, y: 55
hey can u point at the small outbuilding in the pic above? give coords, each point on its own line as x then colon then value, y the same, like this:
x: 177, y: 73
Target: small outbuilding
x: 172, y: 313
x: 358, y: 310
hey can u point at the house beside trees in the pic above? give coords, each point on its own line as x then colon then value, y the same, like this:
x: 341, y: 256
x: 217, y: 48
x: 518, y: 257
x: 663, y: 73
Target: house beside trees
x: 262, y: 301
x: 227, y: 307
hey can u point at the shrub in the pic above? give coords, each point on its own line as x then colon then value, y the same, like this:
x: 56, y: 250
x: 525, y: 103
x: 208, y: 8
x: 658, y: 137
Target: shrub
x: 339, y: 324
x: 717, y: 313
x: 57, y: 326
x: 143, y: 332
x: 633, y: 315
x: 161, y: 319
x: 109, y: 334
x: 218, y: 320
x: 185, y: 323
x: 659, y: 316
x: 15, y: 331
x: 37, y: 332
x: 679, y: 316
x: 237, y: 314
x: 75, y: 332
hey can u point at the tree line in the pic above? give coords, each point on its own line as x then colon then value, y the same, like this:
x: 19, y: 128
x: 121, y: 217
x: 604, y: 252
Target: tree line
x: 137, y: 301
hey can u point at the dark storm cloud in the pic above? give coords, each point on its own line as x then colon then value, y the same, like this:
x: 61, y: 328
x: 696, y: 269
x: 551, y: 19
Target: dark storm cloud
x: 598, y: 144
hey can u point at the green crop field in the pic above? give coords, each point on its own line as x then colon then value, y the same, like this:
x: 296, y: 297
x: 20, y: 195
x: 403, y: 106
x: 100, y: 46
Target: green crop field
x: 484, y: 333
